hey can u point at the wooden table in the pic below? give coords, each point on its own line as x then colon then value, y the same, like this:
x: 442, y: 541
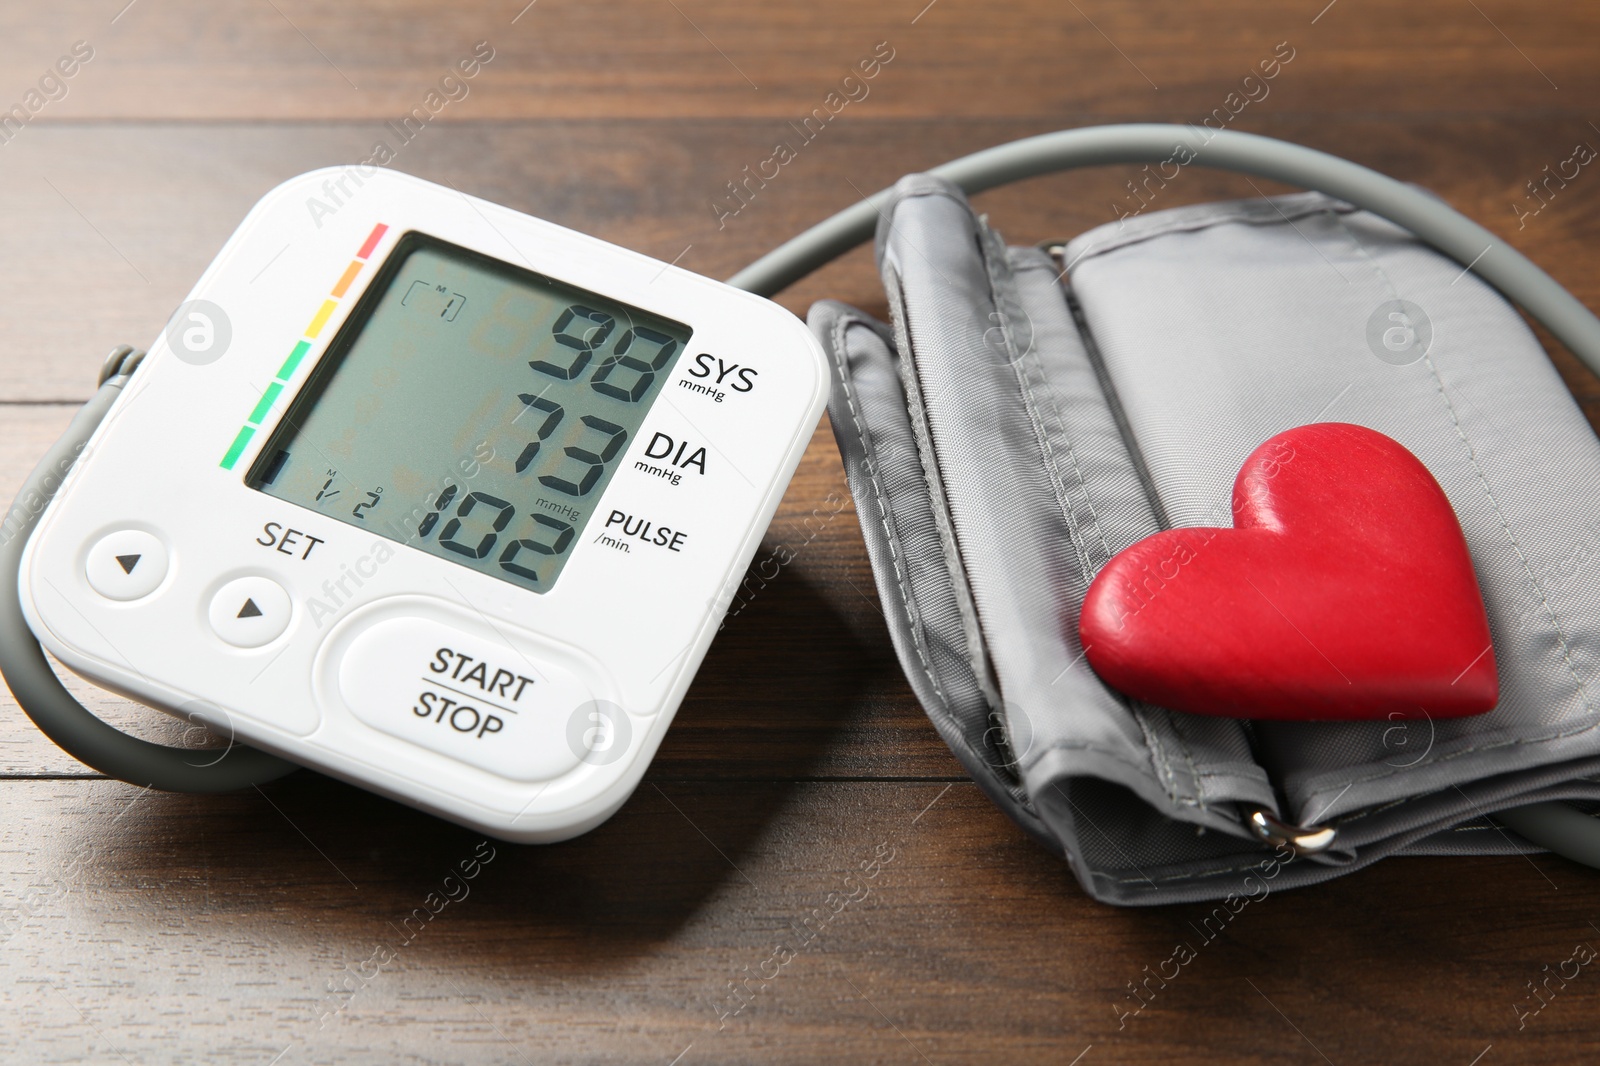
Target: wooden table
x: 142, y: 927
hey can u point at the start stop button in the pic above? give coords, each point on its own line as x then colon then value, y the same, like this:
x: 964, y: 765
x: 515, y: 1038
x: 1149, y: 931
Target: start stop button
x: 484, y: 702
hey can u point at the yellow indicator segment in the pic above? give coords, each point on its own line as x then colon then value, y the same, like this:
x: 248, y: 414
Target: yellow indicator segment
x: 321, y: 319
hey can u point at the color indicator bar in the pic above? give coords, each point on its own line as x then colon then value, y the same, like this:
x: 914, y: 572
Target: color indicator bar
x: 268, y: 398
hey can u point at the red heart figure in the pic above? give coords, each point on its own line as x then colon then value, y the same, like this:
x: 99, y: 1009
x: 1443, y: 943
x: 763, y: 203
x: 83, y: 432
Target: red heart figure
x: 1344, y: 591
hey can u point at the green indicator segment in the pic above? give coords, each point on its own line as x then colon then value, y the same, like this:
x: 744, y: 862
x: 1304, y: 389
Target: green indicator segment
x: 289, y: 364
x: 237, y: 449
x: 267, y: 399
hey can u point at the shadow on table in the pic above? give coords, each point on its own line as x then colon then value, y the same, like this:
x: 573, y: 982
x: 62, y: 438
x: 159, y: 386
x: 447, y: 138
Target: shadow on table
x: 314, y: 853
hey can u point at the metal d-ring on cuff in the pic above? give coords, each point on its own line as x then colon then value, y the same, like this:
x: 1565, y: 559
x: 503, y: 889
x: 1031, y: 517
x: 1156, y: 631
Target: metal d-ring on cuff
x: 1301, y: 839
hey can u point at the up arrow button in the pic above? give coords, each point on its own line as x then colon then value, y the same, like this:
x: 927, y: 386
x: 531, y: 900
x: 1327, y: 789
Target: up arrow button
x: 249, y: 612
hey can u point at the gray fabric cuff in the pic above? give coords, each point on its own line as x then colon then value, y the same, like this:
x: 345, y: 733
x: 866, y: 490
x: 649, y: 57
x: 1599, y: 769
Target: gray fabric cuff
x: 1010, y: 432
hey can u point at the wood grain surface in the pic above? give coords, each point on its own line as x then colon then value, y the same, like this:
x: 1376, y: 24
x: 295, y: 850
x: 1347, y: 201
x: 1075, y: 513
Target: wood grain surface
x: 806, y: 875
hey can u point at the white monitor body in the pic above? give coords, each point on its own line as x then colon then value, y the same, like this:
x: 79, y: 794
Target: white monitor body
x: 160, y: 573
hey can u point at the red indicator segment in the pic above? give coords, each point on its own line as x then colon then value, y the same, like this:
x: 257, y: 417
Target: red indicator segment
x: 372, y: 240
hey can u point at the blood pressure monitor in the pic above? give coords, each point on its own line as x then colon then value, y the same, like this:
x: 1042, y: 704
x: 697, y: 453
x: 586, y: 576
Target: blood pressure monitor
x: 433, y: 496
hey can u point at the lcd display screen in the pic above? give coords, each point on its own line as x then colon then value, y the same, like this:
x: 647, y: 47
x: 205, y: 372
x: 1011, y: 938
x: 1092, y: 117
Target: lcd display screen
x: 472, y: 409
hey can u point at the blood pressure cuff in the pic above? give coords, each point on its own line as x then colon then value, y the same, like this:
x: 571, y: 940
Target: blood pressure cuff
x: 1024, y: 417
